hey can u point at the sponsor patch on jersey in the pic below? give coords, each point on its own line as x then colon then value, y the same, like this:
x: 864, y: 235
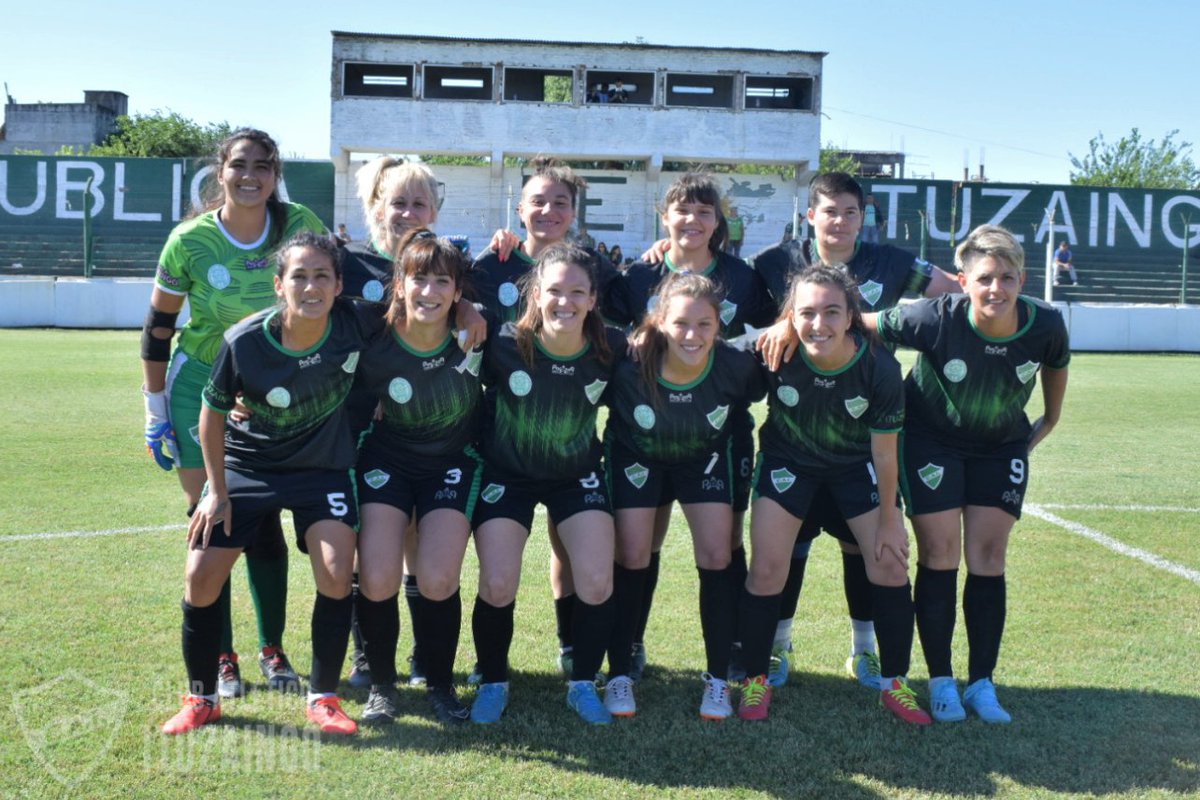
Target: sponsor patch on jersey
x: 167, y: 278
x: 252, y: 264
x: 400, y: 390
x: 520, y: 383
x: 637, y: 475
x: 717, y: 417
x: 279, y: 397
x: 643, y: 415
x: 509, y: 294
x: 376, y: 478
x: 788, y: 396
x: 782, y: 480
x: 219, y: 277
x: 955, y: 370
x: 492, y: 493
x: 1026, y: 371
x: 351, y: 363
x: 871, y: 292
x: 471, y: 363
x: 931, y: 475
x: 728, y: 312
x: 595, y: 390
x: 373, y: 291
x: 856, y: 406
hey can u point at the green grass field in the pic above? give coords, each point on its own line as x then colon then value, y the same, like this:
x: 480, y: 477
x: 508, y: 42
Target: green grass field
x: 1098, y: 668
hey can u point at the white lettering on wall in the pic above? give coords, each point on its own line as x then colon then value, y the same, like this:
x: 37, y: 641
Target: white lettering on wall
x: 1116, y: 206
x: 1191, y: 235
x: 62, y: 204
x: 1015, y: 196
x: 964, y: 216
x: 39, y: 198
x: 893, y: 203
x: 119, y: 192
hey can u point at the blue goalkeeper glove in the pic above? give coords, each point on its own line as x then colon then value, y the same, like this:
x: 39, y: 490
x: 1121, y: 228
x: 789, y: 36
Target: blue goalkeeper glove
x: 160, y: 436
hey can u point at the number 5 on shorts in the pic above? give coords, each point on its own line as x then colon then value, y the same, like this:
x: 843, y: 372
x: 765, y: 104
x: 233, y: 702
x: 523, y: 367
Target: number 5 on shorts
x: 337, y: 503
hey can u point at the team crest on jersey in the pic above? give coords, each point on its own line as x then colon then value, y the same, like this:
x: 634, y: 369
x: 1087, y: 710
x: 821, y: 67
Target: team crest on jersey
x: 509, y: 294
x: 194, y: 432
x: 219, y: 277
x: 717, y: 416
x: 637, y: 474
x: 400, y: 390
x: 931, y: 475
x: 492, y: 493
x: 955, y: 370
x: 373, y: 291
x: 1027, y: 370
x: 351, y: 363
x: 856, y: 406
x: 376, y: 478
x: 643, y: 415
x: 871, y: 292
x: 728, y: 312
x: 788, y: 396
x: 279, y: 397
x: 520, y: 383
x: 471, y: 363
x: 782, y: 480
x: 595, y: 390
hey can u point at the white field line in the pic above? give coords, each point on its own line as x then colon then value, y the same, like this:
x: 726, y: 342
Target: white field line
x: 1101, y: 507
x: 21, y: 537
x: 1112, y: 544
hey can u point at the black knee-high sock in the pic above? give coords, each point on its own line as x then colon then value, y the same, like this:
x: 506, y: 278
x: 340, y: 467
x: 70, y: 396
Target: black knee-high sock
x: 757, y: 618
x: 936, y: 595
x: 492, y: 628
x: 893, y: 617
x: 225, y: 607
x: 738, y: 568
x: 629, y: 587
x: 857, y: 586
x: 267, y: 570
x: 201, y: 638
x: 718, y: 615
x: 789, y: 599
x: 437, y: 638
x: 355, y: 631
x: 412, y: 598
x: 564, y: 607
x: 379, y: 627
x: 639, y: 633
x: 593, y: 630
x: 330, y: 637
x: 985, y: 600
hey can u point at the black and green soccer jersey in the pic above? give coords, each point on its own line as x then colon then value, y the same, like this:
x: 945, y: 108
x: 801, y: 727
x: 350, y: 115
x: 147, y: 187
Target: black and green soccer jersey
x: 883, y: 273
x: 746, y: 299
x: 967, y: 388
x: 541, y: 420
x: 297, y: 417
x: 497, y: 284
x: 224, y: 280
x: 674, y: 424
x: 820, y: 419
x: 366, y: 272
x: 431, y: 401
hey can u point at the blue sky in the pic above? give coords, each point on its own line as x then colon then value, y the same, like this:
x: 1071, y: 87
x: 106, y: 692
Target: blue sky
x: 1019, y: 84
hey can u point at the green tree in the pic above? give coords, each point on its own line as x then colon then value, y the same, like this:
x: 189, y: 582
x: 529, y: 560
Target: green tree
x: 557, y: 89
x: 835, y: 160
x: 162, y: 135
x: 1132, y: 162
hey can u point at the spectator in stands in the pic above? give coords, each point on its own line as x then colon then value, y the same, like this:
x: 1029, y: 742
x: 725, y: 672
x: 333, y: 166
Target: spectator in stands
x: 1063, y: 263
x: 597, y: 94
x: 619, y: 93
x: 873, y: 220
x: 737, y: 232
x: 616, y: 256
x: 342, y: 235
x: 585, y: 239
x: 602, y: 251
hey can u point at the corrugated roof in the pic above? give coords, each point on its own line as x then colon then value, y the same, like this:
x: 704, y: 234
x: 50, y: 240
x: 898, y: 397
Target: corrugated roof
x: 553, y: 43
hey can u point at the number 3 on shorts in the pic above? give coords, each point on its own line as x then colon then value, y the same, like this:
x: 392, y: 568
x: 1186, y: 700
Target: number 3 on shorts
x: 590, y: 482
x: 1017, y: 471
x: 337, y: 503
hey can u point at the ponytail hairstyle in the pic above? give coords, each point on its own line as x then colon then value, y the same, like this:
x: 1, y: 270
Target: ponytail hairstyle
x: 699, y: 187
x: 421, y: 252
x: 213, y: 196
x: 651, y: 340
x: 822, y: 275
x: 530, y: 324
x: 557, y: 171
x: 378, y: 179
